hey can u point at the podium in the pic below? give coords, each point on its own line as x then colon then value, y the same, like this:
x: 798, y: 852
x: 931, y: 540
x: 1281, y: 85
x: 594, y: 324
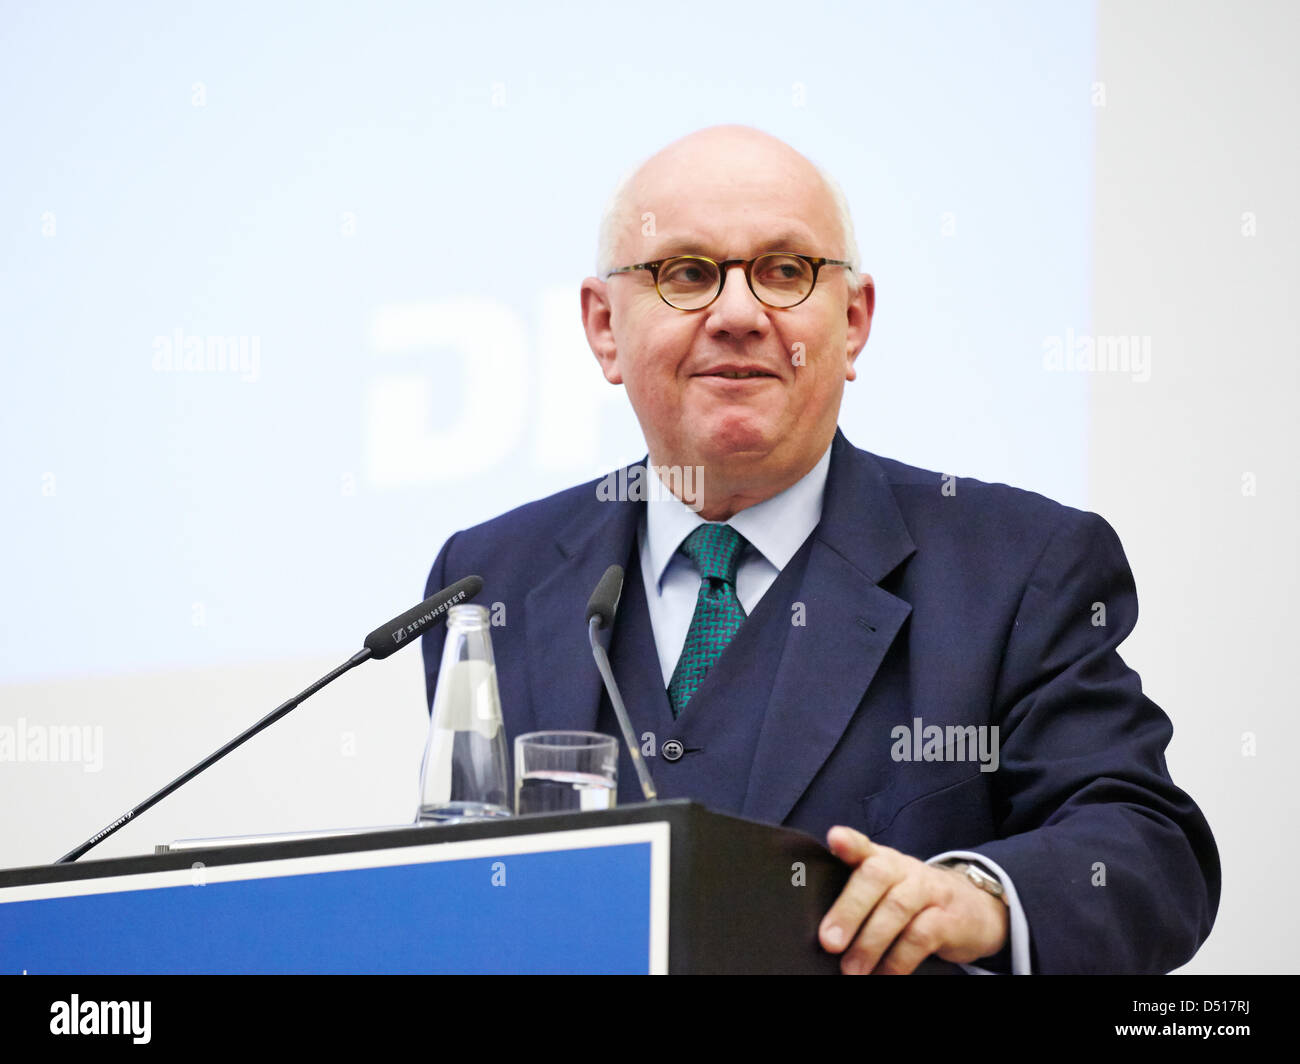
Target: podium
x: 663, y: 887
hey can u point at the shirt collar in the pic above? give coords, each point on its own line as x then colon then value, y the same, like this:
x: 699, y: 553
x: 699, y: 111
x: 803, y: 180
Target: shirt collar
x: 775, y: 527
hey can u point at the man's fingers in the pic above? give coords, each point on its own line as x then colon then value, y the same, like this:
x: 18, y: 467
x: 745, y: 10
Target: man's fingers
x: 923, y: 936
x: 868, y: 883
x: 895, y: 910
x: 851, y: 847
x: 920, y: 938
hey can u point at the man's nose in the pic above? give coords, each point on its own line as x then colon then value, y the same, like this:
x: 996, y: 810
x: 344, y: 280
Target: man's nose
x: 737, y: 311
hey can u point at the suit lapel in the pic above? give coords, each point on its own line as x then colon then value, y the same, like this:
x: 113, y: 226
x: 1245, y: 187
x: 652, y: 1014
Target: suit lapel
x: 830, y: 661
x: 563, y: 680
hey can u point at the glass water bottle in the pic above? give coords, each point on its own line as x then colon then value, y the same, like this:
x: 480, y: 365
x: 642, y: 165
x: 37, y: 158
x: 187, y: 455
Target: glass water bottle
x: 464, y: 775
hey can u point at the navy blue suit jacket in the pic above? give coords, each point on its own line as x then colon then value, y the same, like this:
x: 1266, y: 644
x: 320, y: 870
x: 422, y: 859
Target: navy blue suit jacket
x: 971, y: 604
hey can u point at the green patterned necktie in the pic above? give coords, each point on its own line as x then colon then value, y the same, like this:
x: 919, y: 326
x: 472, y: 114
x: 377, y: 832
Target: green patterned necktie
x: 715, y: 550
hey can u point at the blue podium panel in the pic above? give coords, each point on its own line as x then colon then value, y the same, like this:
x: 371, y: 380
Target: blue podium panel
x: 593, y: 900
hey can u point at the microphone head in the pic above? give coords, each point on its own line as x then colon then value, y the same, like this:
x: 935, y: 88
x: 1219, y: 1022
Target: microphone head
x: 400, y: 631
x: 604, y: 600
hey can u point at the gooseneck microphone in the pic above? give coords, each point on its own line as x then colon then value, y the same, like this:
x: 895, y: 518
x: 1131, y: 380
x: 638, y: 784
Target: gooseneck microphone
x: 600, y: 614
x: 383, y: 641
x: 391, y: 637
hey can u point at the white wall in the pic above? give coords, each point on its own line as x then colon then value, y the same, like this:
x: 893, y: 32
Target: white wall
x: 1202, y: 105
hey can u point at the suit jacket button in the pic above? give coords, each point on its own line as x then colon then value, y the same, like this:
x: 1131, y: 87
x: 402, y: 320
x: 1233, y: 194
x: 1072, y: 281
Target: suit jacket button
x: 673, y: 750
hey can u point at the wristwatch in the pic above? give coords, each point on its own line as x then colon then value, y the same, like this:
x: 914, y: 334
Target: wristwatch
x: 979, y: 877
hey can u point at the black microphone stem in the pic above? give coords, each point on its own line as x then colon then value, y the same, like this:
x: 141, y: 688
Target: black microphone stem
x: 212, y: 759
x: 620, y: 711
x: 401, y: 631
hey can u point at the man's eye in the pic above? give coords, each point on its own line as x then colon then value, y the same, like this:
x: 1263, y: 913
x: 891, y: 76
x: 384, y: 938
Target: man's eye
x: 782, y: 273
x: 687, y: 273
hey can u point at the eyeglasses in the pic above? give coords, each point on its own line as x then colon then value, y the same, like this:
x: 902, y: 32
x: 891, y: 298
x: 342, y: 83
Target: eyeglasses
x: 691, y: 282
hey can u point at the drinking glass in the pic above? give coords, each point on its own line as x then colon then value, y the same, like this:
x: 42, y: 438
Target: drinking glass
x: 565, y: 772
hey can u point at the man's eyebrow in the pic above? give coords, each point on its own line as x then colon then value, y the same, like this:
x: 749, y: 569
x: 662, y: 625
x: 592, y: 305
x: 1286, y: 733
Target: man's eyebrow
x: 785, y: 240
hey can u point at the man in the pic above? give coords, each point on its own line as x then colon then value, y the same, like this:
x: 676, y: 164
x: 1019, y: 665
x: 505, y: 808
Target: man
x: 908, y: 664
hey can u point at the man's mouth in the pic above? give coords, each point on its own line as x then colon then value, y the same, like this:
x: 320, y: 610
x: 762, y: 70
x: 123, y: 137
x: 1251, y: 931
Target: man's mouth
x: 736, y: 373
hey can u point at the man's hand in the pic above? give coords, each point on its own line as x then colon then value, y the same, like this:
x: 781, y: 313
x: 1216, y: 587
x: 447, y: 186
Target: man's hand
x: 895, y: 911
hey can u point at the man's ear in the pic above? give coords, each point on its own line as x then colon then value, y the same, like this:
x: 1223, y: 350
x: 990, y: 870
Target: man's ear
x: 860, y: 310
x: 598, y: 325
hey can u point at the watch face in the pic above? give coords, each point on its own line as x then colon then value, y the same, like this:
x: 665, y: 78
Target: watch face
x: 984, y: 881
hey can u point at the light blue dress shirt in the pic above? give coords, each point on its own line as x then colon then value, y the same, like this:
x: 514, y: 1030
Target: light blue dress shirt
x: 775, y: 529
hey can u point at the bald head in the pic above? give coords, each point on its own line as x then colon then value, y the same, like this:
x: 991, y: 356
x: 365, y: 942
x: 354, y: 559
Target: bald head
x: 727, y: 163
x: 742, y: 387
